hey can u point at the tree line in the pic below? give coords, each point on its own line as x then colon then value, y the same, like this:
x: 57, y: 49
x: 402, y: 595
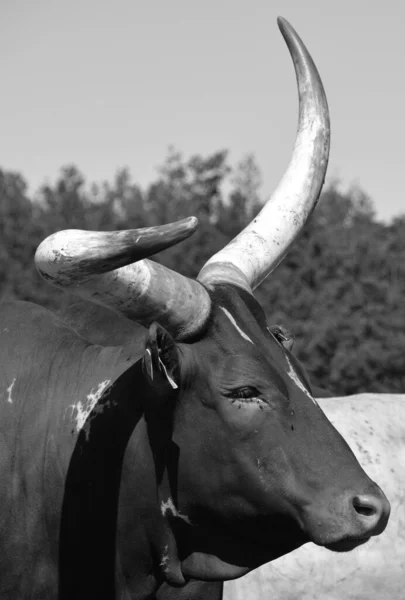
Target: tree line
x: 339, y: 290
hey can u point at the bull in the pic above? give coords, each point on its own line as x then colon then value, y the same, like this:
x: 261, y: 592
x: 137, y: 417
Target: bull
x: 194, y: 451
x: 373, y: 425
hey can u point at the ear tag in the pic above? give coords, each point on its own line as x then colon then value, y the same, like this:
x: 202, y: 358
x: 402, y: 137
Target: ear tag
x: 169, y: 379
x: 148, y: 363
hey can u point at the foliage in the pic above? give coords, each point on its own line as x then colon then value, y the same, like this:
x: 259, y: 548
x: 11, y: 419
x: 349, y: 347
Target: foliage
x: 339, y: 290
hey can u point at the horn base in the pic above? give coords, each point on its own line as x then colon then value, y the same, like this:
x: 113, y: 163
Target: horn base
x: 146, y: 292
x: 100, y: 267
x: 223, y: 272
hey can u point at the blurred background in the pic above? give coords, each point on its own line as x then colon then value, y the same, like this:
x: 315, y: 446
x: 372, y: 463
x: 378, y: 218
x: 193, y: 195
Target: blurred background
x: 128, y: 114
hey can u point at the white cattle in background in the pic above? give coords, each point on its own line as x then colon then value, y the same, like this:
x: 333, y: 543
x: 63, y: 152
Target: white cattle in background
x: 374, y: 427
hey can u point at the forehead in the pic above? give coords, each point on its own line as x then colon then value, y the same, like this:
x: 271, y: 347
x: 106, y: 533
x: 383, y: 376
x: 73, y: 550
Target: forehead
x: 240, y: 328
x: 239, y: 309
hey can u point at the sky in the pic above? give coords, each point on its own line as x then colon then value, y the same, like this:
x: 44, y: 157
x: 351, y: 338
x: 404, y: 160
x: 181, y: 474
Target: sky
x: 107, y: 84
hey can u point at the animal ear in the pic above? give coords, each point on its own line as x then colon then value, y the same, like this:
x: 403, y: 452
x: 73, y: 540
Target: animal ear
x: 161, y: 359
x: 282, y: 334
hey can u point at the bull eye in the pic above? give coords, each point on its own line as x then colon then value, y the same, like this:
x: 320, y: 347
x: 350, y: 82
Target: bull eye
x: 245, y: 395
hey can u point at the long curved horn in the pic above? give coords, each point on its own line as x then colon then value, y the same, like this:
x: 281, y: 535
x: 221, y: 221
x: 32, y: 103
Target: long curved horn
x: 259, y: 248
x: 102, y: 267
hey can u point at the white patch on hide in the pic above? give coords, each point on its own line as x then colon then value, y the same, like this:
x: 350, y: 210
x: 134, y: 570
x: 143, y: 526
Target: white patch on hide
x: 234, y: 323
x: 169, y: 379
x: 83, y: 409
x: 293, y: 375
x: 148, y: 363
x: 165, y: 558
x: 9, y: 390
x: 169, y: 506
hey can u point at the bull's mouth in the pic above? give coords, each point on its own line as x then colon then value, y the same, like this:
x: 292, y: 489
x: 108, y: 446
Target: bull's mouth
x: 217, y: 552
x: 346, y: 545
x: 211, y: 551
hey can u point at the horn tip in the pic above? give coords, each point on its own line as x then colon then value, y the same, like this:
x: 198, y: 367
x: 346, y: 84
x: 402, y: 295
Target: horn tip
x: 287, y: 30
x: 189, y: 225
x: 282, y: 23
x: 193, y: 223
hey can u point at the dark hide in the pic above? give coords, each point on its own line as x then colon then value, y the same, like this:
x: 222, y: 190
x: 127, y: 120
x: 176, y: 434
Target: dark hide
x: 132, y: 471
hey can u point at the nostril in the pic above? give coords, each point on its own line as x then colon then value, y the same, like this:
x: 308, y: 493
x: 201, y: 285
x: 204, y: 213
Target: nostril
x: 373, y: 511
x: 363, y: 506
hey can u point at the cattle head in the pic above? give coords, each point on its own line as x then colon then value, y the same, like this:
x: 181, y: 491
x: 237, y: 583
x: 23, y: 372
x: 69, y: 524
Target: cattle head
x: 248, y: 467
x: 252, y: 467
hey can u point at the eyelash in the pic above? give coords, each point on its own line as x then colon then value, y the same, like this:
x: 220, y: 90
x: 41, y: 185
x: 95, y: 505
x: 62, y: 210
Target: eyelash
x: 246, y: 395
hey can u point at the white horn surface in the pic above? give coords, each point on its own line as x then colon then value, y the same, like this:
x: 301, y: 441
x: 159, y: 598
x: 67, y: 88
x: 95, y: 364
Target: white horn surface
x: 259, y: 248
x: 70, y: 256
x: 101, y: 267
x: 147, y: 291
